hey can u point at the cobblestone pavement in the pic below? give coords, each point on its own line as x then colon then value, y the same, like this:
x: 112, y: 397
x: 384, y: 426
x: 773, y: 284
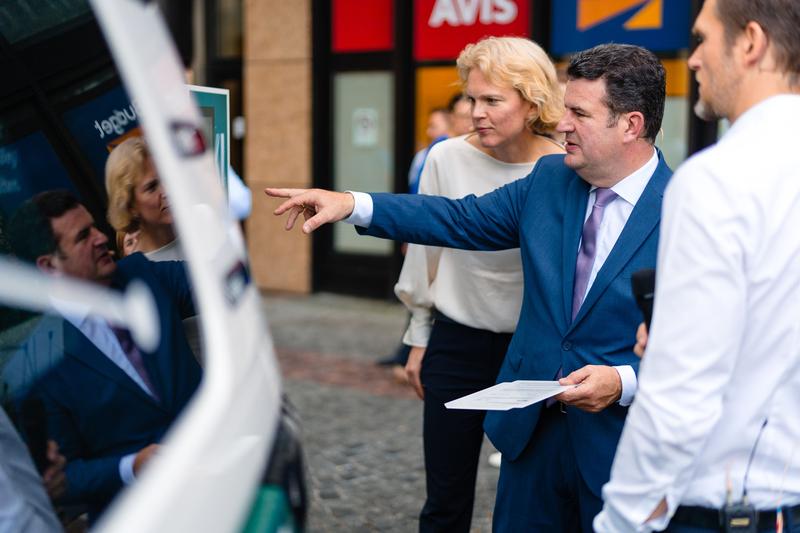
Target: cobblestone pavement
x: 362, y: 430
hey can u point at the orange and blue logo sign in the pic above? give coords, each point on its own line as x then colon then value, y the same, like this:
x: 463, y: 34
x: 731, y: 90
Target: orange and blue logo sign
x: 659, y: 25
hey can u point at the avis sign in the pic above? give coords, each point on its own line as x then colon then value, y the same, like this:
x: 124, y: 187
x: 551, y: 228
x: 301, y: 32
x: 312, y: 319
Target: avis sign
x: 443, y: 27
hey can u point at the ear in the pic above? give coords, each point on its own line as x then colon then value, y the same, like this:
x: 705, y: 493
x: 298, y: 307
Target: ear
x: 533, y: 112
x: 755, y: 43
x: 633, y: 123
x: 46, y: 263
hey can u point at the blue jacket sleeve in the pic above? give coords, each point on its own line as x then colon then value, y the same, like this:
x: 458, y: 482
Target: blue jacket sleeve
x: 173, y: 277
x: 488, y: 222
x: 170, y: 277
x: 92, y: 480
x: 88, y: 480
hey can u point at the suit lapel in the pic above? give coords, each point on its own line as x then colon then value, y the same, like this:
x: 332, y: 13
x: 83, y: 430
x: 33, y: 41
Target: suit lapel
x: 643, y: 220
x: 152, y: 362
x: 574, y: 213
x: 82, y: 349
x: 157, y: 366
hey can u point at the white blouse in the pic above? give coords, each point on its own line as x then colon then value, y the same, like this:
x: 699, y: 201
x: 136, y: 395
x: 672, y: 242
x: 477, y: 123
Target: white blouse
x: 482, y: 290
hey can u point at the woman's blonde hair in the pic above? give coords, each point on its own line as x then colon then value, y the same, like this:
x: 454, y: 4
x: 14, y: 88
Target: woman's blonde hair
x: 519, y: 64
x: 124, y: 166
x: 120, y: 239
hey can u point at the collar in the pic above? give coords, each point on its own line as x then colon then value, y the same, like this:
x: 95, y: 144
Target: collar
x: 74, y: 312
x: 632, y: 186
x: 752, y: 118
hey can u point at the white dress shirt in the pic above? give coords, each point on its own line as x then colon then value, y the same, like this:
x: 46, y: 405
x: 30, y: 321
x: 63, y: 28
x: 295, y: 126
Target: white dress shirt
x: 615, y: 216
x: 724, y: 350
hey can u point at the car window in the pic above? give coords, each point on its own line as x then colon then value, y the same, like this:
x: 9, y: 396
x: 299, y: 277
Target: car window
x: 101, y: 384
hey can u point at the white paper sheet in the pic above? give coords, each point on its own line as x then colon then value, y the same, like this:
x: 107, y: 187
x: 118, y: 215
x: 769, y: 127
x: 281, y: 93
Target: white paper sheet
x: 509, y: 395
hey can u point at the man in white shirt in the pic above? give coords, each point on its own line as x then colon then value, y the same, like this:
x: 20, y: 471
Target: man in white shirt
x: 715, y: 419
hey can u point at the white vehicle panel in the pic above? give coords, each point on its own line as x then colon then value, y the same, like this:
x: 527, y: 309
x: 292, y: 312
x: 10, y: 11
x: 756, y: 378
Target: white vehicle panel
x: 206, y: 475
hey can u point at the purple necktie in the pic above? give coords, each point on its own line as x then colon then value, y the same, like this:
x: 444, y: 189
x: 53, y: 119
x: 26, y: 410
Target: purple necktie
x: 583, y: 266
x: 588, y: 250
x: 133, y: 354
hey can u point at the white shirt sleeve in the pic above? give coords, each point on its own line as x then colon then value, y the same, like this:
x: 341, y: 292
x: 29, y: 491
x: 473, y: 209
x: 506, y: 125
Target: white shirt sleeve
x: 698, y: 320
x: 414, y: 290
x: 629, y: 384
x: 24, y: 505
x: 415, y: 286
x: 240, y: 199
x: 362, y: 210
x: 126, y: 469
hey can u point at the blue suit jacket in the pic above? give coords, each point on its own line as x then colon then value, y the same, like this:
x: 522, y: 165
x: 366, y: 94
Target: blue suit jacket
x: 543, y: 215
x: 96, y: 413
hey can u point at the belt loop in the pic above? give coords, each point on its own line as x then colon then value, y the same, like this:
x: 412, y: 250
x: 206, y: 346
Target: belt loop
x: 562, y: 407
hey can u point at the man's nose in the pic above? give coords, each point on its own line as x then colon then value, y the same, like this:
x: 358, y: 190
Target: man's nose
x: 564, y: 125
x: 693, y: 62
x: 98, y: 237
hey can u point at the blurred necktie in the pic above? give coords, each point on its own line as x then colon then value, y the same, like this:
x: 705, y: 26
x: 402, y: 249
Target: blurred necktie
x: 135, y: 357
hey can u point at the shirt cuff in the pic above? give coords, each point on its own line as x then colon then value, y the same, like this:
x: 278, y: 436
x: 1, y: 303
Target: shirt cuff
x: 419, y: 328
x: 126, y: 469
x: 629, y: 384
x: 362, y: 210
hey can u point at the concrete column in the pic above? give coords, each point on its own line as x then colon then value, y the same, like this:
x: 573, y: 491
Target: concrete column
x: 277, y: 107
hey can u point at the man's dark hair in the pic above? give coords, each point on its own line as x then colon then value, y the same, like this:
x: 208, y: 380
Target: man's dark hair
x: 456, y: 98
x: 30, y: 232
x: 780, y: 20
x: 635, y: 81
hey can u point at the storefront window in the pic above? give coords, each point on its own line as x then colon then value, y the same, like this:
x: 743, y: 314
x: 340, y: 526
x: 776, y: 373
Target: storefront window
x: 363, y: 123
x: 229, y: 28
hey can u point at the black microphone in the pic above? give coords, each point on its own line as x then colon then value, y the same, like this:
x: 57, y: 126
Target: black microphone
x: 643, y: 283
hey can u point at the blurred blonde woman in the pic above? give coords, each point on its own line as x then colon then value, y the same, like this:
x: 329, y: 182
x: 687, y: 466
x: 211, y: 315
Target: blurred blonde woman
x: 465, y: 304
x: 137, y: 201
x: 139, y: 210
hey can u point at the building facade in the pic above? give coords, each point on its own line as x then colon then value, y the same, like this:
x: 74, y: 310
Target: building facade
x: 336, y: 95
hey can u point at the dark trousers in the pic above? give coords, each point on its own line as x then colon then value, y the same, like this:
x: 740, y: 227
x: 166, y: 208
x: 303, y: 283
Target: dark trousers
x: 459, y: 360
x: 542, y: 490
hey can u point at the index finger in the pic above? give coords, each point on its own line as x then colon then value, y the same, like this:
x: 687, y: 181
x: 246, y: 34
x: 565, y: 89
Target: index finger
x: 283, y: 193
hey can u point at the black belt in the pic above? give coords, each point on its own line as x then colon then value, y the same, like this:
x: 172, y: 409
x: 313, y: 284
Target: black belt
x: 704, y: 517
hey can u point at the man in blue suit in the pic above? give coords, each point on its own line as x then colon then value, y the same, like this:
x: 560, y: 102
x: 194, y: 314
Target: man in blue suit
x: 584, y: 222
x: 107, y: 402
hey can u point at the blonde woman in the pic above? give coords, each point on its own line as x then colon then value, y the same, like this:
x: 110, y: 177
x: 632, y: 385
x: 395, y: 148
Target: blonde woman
x: 137, y: 201
x: 465, y: 304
